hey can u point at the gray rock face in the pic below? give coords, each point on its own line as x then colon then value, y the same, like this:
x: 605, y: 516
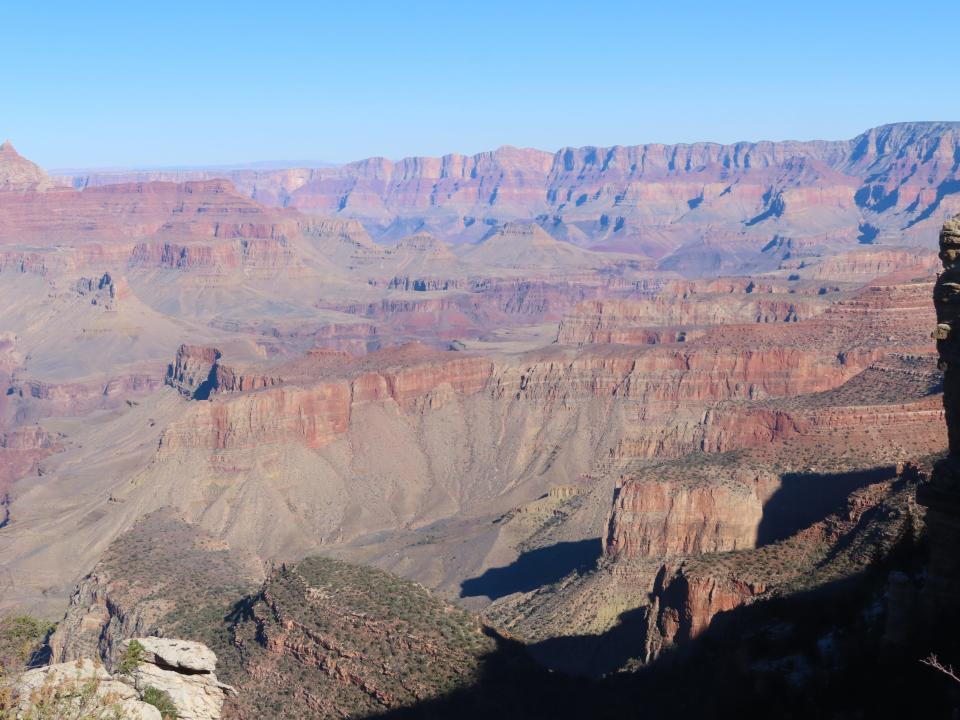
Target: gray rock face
x: 96, y: 624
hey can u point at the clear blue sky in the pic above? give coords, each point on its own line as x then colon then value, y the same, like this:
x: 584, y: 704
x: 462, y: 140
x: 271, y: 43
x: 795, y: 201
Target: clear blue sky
x: 177, y: 83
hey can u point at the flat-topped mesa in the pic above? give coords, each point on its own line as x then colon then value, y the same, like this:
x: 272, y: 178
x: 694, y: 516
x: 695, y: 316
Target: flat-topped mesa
x: 653, y: 519
x: 190, y: 226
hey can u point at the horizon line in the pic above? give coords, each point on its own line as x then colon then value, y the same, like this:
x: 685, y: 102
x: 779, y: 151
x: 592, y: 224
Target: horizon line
x: 68, y: 171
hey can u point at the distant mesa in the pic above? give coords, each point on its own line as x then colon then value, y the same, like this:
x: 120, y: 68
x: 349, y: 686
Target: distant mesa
x: 700, y: 208
x: 527, y: 245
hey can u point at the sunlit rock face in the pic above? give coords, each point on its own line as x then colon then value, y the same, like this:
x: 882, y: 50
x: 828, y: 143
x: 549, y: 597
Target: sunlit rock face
x: 701, y: 208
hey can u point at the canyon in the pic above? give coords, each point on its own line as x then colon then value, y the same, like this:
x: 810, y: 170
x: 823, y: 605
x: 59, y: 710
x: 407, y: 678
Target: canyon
x: 591, y: 406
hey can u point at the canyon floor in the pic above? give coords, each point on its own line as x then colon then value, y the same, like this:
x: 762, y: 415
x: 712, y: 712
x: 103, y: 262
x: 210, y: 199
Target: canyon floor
x: 408, y: 454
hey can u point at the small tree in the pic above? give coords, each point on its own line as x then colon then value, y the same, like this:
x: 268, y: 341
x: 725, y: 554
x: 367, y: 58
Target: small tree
x: 131, y: 658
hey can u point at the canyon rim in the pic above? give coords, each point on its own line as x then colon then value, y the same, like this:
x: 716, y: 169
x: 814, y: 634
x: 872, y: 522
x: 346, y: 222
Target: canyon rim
x: 474, y: 418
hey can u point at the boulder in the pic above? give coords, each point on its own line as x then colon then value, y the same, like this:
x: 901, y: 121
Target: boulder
x: 180, y: 655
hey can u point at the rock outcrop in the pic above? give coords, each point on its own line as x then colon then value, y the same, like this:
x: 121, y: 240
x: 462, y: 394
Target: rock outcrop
x: 185, y: 671
x: 82, y: 688
x: 941, y: 495
x: 660, y: 519
x: 182, y: 670
x: 194, y: 371
x: 105, y: 292
x: 683, y: 604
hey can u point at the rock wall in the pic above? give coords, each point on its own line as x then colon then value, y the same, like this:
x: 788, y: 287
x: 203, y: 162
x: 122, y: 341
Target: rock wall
x: 710, y: 205
x: 633, y: 321
x: 659, y: 519
x: 654, y: 380
x: 684, y: 604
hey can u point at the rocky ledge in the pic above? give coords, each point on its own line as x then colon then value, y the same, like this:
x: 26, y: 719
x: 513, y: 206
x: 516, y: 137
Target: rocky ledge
x: 180, y: 672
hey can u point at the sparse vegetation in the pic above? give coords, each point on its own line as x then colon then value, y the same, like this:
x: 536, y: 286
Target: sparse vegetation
x: 131, y: 658
x: 161, y: 701
x: 20, y: 637
x: 64, y: 698
x: 398, y: 643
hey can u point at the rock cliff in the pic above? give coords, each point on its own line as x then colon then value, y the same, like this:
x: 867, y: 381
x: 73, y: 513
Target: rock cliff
x: 700, y: 207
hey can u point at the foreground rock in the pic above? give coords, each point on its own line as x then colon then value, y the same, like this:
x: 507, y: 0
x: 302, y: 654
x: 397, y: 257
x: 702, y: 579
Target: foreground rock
x: 184, y: 670
x: 83, y: 688
x: 181, y: 671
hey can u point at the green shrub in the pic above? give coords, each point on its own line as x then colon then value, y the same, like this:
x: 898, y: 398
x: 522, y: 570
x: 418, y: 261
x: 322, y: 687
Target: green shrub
x: 161, y: 701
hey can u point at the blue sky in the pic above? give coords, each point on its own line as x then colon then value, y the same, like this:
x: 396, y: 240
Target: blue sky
x: 186, y: 83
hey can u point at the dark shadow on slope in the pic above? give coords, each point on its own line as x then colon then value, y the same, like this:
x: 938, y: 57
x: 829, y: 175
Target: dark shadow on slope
x: 868, y: 234
x: 208, y: 386
x: 534, y: 569
x: 513, y: 687
x: 602, y: 654
x: 775, y: 208
x: 947, y: 187
x: 805, y: 498
x: 816, y: 653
